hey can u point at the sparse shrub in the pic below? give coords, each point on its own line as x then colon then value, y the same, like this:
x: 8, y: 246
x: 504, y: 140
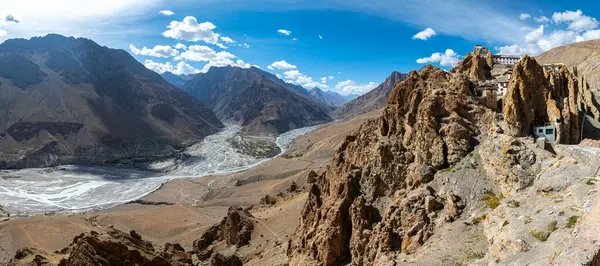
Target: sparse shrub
x: 553, y: 226
x: 590, y: 182
x: 478, y: 220
x: 561, y: 213
x: 471, y: 255
x: 572, y: 221
x: 515, y: 204
x: 527, y: 220
x: 491, y: 200
x: 539, y: 234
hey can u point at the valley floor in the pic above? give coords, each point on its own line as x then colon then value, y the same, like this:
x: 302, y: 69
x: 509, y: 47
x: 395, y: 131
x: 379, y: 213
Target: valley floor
x: 183, y: 208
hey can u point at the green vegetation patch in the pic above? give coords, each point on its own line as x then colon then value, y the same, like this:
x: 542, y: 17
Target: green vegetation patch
x: 491, y: 200
x: 539, y: 234
x: 572, y: 221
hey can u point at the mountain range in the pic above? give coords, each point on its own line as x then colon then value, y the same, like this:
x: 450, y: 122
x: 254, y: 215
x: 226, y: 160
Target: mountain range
x: 66, y: 100
x: 373, y: 100
x: 177, y: 80
x: 257, y: 100
x: 331, y: 98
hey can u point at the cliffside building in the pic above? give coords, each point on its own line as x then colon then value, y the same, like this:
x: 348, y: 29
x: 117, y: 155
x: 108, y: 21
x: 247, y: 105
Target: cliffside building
x: 479, y: 50
x: 505, y: 59
x: 547, y: 131
x: 553, y: 67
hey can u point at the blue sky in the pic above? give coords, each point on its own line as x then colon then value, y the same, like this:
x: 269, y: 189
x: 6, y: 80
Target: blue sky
x: 360, y: 43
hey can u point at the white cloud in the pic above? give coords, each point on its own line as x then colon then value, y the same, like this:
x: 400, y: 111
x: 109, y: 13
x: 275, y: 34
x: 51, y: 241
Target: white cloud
x: 330, y: 77
x: 351, y: 87
x: 576, y: 20
x: 339, y: 73
x: 320, y: 37
x: 190, y: 30
x: 285, y: 32
x: 281, y: 65
x: 524, y: 16
x: 158, y: 51
x: 180, y: 46
x: 257, y: 66
x: 3, y: 34
x: 324, y: 80
x: 279, y: 76
x: 297, y: 77
x: 181, y: 68
x: 425, y: 34
x: 313, y: 85
x: 222, y: 46
x: 591, y: 35
x: 201, y: 53
x: 540, y: 44
x: 245, y: 45
x: 535, y: 35
x: 166, y: 12
x: 448, y: 58
x: 542, y: 19
x: 294, y: 39
x: 227, y: 39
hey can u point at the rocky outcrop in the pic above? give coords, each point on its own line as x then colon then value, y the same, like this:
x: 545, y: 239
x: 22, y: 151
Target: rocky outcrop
x: 112, y: 248
x: 235, y: 229
x: 374, y: 200
x: 475, y: 67
x: 558, y: 98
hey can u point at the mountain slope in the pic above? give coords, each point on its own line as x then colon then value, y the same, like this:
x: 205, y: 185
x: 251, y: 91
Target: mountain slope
x: 176, y: 80
x: 373, y: 100
x: 583, y: 55
x: 67, y: 100
x: 233, y: 94
x: 329, y: 98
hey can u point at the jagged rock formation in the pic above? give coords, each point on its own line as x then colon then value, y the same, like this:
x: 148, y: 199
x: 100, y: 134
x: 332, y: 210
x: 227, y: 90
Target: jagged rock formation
x: 476, y: 67
x: 235, y: 229
x: 557, y: 97
x: 111, y: 248
x: 374, y: 198
x: 67, y: 101
x: 373, y: 100
x: 257, y: 100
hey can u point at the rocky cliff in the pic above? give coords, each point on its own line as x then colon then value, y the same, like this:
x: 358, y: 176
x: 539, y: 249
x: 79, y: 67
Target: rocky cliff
x: 374, y: 198
x: 382, y: 197
x: 560, y: 98
x: 585, y: 56
x: 476, y: 67
x: 65, y: 100
x: 373, y: 100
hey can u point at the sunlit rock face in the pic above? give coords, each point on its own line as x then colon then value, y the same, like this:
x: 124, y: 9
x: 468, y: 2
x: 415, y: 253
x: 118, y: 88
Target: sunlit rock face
x: 557, y: 98
x: 374, y: 198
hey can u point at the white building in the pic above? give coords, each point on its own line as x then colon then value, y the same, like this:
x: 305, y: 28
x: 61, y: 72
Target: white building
x: 547, y: 131
x: 553, y: 67
x: 505, y: 59
x: 502, y: 85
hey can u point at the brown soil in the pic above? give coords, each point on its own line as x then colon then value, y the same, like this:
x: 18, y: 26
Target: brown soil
x: 200, y: 203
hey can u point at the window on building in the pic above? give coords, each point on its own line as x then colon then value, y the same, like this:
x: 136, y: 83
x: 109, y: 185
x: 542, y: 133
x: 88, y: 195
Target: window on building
x: 549, y: 131
x: 541, y: 130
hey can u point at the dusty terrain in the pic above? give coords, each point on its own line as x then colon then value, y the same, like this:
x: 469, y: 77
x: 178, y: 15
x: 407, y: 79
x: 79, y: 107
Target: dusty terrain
x: 182, y: 209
